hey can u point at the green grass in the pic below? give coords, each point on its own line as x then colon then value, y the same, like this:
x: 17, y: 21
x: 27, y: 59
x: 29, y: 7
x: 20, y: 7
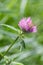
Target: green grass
x: 11, y: 11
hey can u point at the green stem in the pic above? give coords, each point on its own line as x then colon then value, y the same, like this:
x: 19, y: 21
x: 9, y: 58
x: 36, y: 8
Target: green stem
x: 1, y: 54
x: 11, y: 45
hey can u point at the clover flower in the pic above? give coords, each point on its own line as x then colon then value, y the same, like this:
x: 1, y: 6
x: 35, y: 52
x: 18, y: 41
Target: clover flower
x: 26, y: 25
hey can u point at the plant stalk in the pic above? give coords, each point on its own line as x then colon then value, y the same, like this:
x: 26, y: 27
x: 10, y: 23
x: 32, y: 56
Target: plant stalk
x: 11, y: 45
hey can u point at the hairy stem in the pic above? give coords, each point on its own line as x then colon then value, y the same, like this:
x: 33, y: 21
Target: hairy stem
x: 11, y: 45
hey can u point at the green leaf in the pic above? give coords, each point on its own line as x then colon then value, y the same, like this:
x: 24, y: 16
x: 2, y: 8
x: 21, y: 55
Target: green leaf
x: 11, y: 27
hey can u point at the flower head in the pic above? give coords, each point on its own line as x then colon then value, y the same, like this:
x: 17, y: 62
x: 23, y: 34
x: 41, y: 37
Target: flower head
x: 27, y: 25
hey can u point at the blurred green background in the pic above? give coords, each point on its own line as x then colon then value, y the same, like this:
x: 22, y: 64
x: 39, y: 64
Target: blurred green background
x: 11, y: 12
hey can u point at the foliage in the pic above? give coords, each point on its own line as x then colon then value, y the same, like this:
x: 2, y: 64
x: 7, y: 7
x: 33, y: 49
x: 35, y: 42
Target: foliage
x: 27, y: 49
